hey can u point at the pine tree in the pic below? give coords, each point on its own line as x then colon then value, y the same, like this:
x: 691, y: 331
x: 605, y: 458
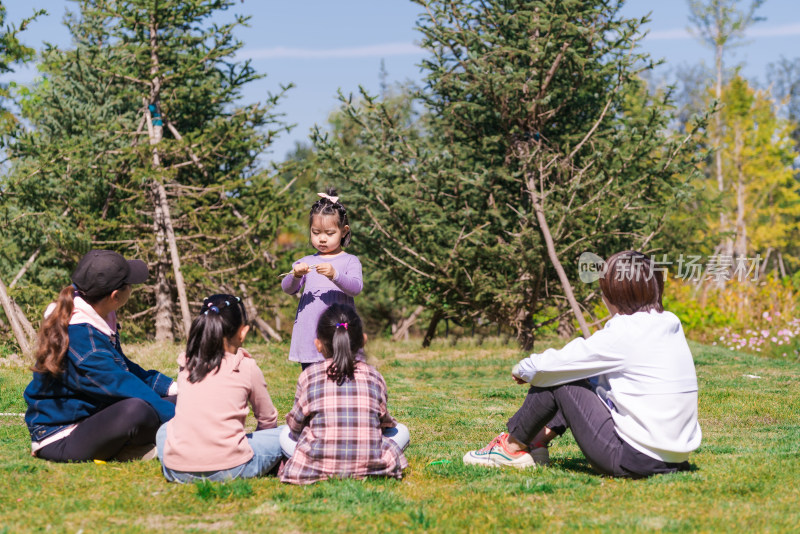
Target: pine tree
x: 138, y: 136
x: 536, y: 141
x: 12, y: 52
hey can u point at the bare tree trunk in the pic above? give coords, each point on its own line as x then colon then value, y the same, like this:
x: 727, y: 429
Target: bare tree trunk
x: 261, y: 325
x: 565, y: 329
x: 155, y: 129
x: 402, y: 328
x: 431, y: 332
x: 781, y: 265
x: 19, y: 315
x: 9, y: 306
x: 763, y: 268
x: 25, y: 268
x: 176, y: 259
x: 740, y: 249
x: 26, y: 324
x: 161, y: 290
x: 551, y: 252
x: 525, y: 334
x: 727, y: 243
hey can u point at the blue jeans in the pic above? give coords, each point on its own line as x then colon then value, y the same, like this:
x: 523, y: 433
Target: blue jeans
x: 266, y: 455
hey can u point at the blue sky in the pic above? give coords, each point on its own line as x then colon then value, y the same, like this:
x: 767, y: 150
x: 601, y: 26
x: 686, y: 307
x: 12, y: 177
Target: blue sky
x: 322, y: 46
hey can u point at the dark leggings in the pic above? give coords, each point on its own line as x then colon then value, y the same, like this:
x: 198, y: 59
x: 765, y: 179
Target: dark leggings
x: 102, y: 435
x: 576, y: 406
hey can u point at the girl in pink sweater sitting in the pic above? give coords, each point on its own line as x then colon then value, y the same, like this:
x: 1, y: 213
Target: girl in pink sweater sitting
x: 217, y: 379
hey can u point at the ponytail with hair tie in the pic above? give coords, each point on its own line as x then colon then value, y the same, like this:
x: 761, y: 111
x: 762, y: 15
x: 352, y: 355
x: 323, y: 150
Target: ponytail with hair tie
x: 342, y: 335
x: 205, y: 347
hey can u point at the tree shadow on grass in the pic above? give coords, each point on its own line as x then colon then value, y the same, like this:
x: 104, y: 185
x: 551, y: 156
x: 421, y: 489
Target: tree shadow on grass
x: 578, y: 465
x: 575, y: 469
x: 582, y: 465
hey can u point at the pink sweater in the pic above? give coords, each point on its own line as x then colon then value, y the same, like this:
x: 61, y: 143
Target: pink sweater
x: 208, y: 433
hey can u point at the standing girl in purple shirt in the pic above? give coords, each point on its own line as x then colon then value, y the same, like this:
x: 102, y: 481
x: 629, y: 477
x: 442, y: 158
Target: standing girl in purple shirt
x: 329, y: 276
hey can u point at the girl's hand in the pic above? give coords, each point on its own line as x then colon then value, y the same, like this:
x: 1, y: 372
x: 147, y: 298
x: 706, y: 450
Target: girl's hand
x: 326, y: 270
x: 518, y: 380
x: 300, y: 270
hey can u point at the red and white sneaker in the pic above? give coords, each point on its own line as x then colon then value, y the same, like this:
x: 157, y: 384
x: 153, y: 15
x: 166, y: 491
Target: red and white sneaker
x: 481, y: 456
x: 496, y: 454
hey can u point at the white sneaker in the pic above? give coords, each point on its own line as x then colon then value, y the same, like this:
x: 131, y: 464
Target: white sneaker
x: 496, y: 454
x: 481, y: 456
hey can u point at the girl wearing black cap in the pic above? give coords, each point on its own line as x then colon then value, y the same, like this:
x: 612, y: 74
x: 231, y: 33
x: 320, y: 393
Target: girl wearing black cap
x: 87, y: 401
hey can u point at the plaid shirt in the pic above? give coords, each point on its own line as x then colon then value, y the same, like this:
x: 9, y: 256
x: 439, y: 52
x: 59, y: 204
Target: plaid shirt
x: 339, y: 428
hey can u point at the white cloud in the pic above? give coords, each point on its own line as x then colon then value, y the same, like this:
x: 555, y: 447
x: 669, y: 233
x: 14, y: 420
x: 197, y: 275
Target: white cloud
x: 409, y: 49
x: 676, y: 34
x: 378, y: 50
x: 775, y: 31
x: 668, y: 35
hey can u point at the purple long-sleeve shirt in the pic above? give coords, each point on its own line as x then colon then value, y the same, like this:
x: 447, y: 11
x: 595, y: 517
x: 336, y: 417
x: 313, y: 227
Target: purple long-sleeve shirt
x: 318, y: 294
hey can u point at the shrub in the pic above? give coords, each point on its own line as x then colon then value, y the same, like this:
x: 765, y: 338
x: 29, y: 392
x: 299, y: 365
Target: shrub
x: 754, y: 316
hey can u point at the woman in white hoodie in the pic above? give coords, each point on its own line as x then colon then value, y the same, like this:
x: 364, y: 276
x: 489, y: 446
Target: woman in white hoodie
x: 628, y: 393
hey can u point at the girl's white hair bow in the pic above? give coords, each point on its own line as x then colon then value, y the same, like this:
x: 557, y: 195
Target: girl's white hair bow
x: 332, y: 199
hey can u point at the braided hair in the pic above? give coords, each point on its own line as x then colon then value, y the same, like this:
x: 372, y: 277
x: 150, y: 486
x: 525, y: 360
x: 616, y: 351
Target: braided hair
x: 221, y: 317
x: 325, y: 207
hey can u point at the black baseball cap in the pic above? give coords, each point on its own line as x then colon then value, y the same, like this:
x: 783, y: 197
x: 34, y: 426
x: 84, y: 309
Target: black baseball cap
x: 102, y: 271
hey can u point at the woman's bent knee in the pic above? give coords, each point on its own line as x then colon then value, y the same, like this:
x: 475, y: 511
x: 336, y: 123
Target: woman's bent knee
x: 137, y: 412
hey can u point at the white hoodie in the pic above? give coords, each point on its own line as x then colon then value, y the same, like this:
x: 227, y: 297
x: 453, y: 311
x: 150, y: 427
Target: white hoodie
x: 645, y: 374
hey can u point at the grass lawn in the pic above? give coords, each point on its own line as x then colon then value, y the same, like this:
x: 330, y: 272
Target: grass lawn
x: 453, y: 398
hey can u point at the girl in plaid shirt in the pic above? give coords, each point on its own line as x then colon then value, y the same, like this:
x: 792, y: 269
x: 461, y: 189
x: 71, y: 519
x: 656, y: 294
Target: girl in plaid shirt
x: 340, y: 424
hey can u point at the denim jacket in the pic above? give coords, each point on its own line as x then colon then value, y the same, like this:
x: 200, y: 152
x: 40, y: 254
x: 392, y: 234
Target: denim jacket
x: 96, y: 374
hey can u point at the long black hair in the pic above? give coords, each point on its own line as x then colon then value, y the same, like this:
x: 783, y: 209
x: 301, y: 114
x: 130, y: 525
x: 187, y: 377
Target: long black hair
x: 221, y: 317
x: 325, y: 206
x: 342, y: 335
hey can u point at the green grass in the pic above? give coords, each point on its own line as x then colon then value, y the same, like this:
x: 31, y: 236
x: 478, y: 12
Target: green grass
x: 453, y: 398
